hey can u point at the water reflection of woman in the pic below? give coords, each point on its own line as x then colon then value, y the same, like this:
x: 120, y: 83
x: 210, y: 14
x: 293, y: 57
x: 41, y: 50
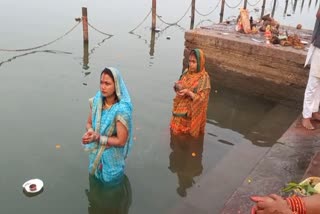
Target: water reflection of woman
x: 186, y: 160
x: 105, y: 199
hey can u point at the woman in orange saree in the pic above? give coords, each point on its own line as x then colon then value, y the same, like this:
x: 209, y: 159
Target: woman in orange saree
x: 192, y: 95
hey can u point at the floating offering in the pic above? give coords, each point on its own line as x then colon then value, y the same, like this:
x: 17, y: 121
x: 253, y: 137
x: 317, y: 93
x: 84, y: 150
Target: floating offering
x: 33, y: 185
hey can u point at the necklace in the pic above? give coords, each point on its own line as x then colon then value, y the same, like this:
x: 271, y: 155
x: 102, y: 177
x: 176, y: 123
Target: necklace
x: 107, y: 106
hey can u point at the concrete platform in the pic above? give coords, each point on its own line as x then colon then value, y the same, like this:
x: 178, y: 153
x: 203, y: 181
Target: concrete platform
x: 246, y: 63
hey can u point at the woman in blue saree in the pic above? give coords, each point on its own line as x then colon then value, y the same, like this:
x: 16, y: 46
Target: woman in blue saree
x: 109, y: 128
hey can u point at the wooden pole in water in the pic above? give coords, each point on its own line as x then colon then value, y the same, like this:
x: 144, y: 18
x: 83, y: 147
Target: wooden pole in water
x: 309, y: 4
x: 85, y: 55
x: 85, y: 24
x: 154, y: 14
x: 193, y: 7
x: 285, y: 8
x: 295, y: 5
x: 274, y: 8
x: 152, y: 42
x: 245, y: 4
x: 302, y: 4
x: 222, y: 10
x: 263, y: 7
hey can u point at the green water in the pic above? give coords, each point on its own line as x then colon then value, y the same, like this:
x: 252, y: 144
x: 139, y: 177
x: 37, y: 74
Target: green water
x: 44, y: 97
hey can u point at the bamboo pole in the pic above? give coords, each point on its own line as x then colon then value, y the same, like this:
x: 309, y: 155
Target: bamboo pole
x: 222, y: 10
x: 193, y: 7
x: 154, y: 14
x: 245, y: 4
x: 85, y: 24
x: 263, y: 7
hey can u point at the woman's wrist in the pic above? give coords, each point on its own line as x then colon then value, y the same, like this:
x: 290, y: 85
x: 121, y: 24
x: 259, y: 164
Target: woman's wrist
x: 297, y: 205
x: 103, y: 140
x: 97, y: 137
x: 190, y: 94
x: 90, y: 129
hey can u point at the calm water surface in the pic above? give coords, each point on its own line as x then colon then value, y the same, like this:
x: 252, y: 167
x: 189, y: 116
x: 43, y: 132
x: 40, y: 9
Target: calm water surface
x: 44, y: 96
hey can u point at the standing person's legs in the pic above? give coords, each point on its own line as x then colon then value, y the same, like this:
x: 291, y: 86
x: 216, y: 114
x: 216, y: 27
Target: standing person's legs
x: 315, y: 68
x: 311, y: 99
x: 312, y: 93
x: 316, y: 102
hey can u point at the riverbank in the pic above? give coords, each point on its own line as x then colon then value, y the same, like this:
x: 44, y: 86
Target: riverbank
x: 247, y: 63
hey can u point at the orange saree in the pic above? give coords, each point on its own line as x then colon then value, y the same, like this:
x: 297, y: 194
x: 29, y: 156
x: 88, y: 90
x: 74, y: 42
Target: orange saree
x: 189, y: 115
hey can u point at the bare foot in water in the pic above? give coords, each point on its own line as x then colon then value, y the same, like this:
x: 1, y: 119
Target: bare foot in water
x: 316, y: 116
x: 307, y: 123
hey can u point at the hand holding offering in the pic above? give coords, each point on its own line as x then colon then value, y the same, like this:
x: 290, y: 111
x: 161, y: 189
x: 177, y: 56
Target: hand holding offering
x: 177, y: 86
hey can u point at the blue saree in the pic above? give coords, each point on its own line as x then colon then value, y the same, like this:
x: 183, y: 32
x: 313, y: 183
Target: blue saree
x: 107, y: 164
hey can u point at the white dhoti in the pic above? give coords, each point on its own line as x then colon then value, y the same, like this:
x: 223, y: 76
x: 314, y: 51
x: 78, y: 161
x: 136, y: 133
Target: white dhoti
x: 312, y: 92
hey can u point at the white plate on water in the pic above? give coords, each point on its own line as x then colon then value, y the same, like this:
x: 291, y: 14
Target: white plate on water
x: 36, y: 181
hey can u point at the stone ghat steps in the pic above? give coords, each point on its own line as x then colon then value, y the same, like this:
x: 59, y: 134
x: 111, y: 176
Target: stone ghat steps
x: 217, y: 185
x: 296, y: 157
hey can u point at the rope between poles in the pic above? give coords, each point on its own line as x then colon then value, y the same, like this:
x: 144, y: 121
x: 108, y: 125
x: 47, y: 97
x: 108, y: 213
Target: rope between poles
x: 40, y: 46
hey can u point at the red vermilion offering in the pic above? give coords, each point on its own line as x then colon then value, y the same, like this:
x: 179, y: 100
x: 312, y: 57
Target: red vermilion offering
x: 33, y: 187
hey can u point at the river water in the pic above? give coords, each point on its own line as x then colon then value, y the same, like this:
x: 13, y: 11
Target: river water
x: 44, y: 105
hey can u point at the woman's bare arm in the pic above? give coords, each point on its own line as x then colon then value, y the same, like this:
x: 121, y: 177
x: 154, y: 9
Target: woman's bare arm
x: 121, y: 138
x: 312, y: 204
x: 89, y: 122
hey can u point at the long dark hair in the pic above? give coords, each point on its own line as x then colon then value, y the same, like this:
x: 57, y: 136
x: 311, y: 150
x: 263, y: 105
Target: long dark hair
x: 108, y: 72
